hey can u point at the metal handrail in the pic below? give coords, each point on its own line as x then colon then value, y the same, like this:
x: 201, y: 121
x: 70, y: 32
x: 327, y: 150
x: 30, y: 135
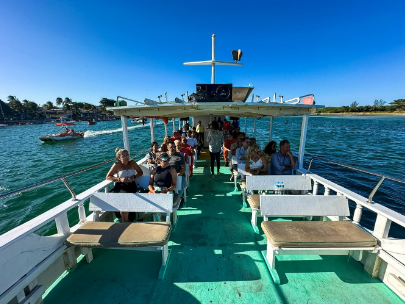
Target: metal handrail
x: 383, y: 177
x: 63, y: 178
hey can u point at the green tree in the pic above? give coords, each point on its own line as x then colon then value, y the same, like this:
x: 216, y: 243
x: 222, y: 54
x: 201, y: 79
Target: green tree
x: 48, y: 106
x: 16, y: 106
x: 59, y: 101
x: 398, y: 104
x: 354, y: 104
x: 5, y: 111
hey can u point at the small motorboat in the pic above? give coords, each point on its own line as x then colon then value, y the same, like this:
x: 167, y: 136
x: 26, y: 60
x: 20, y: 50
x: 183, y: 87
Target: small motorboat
x: 64, y: 135
x: 91, y: 122
x: 65, y: 122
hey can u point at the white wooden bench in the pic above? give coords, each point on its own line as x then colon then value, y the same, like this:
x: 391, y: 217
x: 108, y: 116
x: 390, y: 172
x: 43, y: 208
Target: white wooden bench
x: 268, y: 182
x: 151, y: 236
x: 310, y: 237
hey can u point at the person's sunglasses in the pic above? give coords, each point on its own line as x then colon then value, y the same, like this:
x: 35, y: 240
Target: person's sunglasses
x: 164, y: 159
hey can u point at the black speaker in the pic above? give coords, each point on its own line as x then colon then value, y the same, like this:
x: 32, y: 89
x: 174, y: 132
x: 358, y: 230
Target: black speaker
x: 214, y: 92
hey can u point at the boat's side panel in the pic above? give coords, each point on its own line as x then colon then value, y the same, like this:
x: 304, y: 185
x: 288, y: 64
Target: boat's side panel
x: 22, y: 256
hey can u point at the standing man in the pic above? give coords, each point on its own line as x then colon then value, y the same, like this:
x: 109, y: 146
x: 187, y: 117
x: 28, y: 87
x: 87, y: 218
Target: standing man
x: 282, y: 162
x: 200, y: 132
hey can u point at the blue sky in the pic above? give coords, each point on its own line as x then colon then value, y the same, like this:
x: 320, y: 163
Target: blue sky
x: 341, y: 51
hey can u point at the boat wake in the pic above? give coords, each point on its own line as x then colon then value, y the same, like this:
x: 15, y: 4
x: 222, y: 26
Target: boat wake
x: 90, y: 133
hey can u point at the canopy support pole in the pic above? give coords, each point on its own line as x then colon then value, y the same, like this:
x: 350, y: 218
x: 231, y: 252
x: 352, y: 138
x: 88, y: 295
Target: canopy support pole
x: 125, y: 133
x: 254, y: 128
x: 152, y: 131
x: 301, y: 152
x: 165, y: 129
x: 271, y: 128
x: 179, y: 123
x: 174, y: 121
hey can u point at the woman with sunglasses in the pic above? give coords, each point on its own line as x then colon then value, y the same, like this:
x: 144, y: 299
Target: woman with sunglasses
x: 123, y: 173
x: 256, y: 163
x: 164, y: 177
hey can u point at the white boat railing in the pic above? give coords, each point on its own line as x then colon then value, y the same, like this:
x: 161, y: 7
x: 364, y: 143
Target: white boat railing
x: 58, y: 213
x: 385, y: 216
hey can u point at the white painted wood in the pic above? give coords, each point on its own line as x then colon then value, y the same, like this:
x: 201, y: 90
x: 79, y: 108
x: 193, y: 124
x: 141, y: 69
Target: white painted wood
x: 358, y: 199
x: 271, y: 128
x: 87, y: 253
x: 270, y: 254
x: 268, y: 182
x: 152, y: 130
x: 82, y: 213
x: 357, y: 214
x: 32, y: 285
x: 398, y: 283
x: 124, y: 125
x: 20, y: 296
x: 30, y: 275
x: 327, y: 191
x: 69, y: 258
x: 132, y: 202
x: 22, y: 256
x: 179, y: 183
x: 62, y: 224
x: 254, y: 217
x: 165, y: 252
x: 21, y: 231
x: 381, y: 227
x: 315, y: 189
x: 305, y: 205
x: 34, y: 296
x: 393, y: 246
x: 301, y: 152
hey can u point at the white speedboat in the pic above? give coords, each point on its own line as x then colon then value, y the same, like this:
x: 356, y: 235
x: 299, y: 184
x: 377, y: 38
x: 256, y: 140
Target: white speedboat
x: 61, y: 136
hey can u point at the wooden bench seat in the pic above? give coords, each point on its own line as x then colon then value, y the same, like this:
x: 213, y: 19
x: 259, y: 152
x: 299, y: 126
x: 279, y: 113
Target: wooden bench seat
x: 103, y: 234
x: 310, y: 237
x: 254, y: 201
x: 316, y: 234
x: 152, y: 236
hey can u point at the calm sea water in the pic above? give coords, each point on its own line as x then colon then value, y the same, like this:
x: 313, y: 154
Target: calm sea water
x: 374, y: 143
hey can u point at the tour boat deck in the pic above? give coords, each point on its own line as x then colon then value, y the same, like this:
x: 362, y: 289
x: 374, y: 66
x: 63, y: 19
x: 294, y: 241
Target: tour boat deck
x: 216, y: 258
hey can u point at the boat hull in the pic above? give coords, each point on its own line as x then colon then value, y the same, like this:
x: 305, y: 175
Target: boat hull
x: 48, y: 138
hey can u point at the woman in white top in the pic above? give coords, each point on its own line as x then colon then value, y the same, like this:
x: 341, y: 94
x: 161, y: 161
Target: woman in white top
x: 123, y: 173
x: 255, y: 163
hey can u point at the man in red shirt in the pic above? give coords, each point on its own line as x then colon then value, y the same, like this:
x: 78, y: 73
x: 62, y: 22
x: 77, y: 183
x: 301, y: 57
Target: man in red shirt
x: 190, y: 152
x: 227, y: 148
x: 176, y: 136
x: 227, y: 125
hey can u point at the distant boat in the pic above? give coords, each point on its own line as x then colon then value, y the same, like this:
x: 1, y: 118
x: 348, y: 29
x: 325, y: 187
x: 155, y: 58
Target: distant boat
x: 3, y: 125
x: 139, y: 120
x: 91, y: 122
x: 65, y: 122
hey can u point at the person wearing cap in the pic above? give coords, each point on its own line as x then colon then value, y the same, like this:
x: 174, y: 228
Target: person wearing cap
x: 176, y: 136
x: 200, y: 129
x: 163, y: 178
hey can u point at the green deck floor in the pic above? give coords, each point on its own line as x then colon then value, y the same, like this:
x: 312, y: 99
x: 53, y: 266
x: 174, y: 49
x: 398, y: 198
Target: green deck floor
x: 216, y: 258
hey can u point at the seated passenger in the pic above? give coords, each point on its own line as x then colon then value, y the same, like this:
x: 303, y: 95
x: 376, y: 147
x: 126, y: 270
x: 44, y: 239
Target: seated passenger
x: 181, y: 150
x: 190, y: 152
x: 163, y: 178
x: 282, y: 162
x: 268, y: 151
x: 163, y: 146
x: 177, y: 162
x: 227, y: 148
x: 256, y: 163
x: 241, y: 154
x: 127, y: 170
x: 153, y: 155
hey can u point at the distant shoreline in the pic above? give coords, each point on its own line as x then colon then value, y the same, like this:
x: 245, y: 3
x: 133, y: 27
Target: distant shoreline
x: 363, y: 114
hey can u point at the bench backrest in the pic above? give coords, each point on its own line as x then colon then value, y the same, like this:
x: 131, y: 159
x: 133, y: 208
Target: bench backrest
x: 304, y: 205
x: 132, y: 202
x: 268, y: 182
x: 179, y: 184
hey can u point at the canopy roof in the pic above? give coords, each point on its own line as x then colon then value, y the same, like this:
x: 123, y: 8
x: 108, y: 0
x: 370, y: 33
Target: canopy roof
x: 237, y: 109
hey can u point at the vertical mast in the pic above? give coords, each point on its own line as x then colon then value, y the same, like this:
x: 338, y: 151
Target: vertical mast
x: 213, y: 60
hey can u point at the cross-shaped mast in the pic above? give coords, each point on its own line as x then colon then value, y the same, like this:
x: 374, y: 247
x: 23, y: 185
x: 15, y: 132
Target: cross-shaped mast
x: 212, y: 62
